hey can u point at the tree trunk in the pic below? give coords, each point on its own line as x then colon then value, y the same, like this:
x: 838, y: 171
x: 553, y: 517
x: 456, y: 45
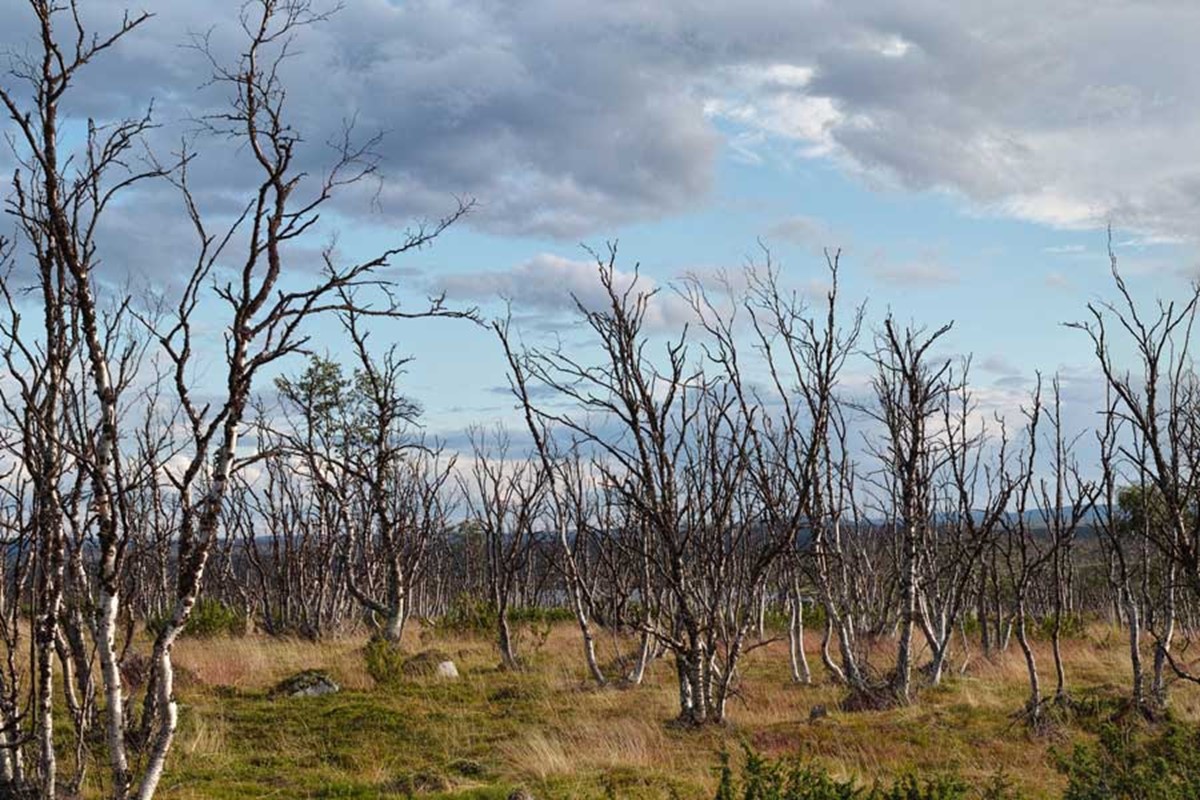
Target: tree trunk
x: 799, y: 661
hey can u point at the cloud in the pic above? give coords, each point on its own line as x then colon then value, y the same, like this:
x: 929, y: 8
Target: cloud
x: 999, y: 365
x: 811, y: 232
x: 549, y: 286
x: 914, y: 274
x: 568, y: 117
x: 1057, y: 280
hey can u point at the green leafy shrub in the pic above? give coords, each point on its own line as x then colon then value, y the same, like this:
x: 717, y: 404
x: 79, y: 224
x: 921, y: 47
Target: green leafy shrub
x: 474, y: 615
x: 383, y: 661
x: 468, y: 615
x: 766, y: 779
x: 537, y: 615
x: 209, y: 617
x: 1126, y: 764
x: 1073, y: 627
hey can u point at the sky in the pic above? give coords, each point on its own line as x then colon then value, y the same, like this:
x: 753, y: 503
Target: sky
x: 966, y: 158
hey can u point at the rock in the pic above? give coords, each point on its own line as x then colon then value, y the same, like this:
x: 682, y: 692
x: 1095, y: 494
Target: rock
x: 309, y: 683
x: 426, y: 663
x: 447, y: 670
x: 817, y: 712
x: 520, y: 794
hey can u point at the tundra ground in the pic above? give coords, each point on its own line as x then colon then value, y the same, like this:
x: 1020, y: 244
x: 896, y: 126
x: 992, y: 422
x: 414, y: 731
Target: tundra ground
x: 546, y: 728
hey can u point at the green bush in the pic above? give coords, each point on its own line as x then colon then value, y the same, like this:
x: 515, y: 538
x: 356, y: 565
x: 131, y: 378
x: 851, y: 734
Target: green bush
x: 1073, y: 627
x: 468, y: 614
x: 765, y: 779
x: 1127, y: 765
x: 383, y: 661
x: 474, y: 615
x: 537, y: 615
x: 209, y: 617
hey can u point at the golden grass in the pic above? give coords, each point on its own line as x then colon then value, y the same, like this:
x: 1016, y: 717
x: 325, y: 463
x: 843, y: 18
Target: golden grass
x: 549, y: 728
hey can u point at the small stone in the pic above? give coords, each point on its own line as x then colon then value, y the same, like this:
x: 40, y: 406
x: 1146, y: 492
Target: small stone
x: 520, y: 794
x: 309, y: 683
x: 447, y: 670
x: 817, y: 712
x: 424, y: 664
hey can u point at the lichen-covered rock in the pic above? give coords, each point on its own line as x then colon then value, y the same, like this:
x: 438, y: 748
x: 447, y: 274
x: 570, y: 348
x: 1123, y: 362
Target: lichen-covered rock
x: 309, y: 683
x: 447, y: 671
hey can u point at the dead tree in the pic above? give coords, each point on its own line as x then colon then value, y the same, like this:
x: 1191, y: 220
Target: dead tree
x: 805, y: 355
x: 1066, y: 498
x: 59, y: 203
x: 909, y: 392
x: 1158, y: 403
x: 973, y: 497
x: 508, y: 502
x: 265, y: 319
x: 1118, y: 540
x: 1026, y: 552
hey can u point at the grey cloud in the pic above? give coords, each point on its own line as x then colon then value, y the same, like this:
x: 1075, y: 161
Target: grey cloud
x: 999, y: 365
x: 810, y: 232
x: 549, y: 285
x: 569, y: 118
x: 916, y: 274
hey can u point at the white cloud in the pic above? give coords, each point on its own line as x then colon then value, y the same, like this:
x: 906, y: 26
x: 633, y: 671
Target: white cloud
x: 572, y: 117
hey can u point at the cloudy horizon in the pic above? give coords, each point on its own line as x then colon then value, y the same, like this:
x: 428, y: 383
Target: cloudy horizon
x: 967, y: 163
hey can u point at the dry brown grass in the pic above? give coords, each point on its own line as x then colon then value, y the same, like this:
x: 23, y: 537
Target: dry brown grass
x: 549, y: 728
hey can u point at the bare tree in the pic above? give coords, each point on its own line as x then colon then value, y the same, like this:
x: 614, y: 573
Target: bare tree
x: 508, y: 502
x: 1158, y: 403
x: 909, y: 392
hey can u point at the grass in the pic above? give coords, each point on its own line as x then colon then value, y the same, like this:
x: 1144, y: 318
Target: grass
x: 547, y: 729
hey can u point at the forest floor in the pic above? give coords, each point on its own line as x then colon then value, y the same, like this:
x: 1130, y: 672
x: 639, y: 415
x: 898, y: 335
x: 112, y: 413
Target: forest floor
x: 546, y: 728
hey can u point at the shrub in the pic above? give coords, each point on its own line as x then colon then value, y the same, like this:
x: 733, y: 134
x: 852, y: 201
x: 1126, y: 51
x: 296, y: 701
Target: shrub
x: 468, y: 614
x: 537, y: 615
x: 383, y: 661
x: 209, y: 617
x: 1127, y: 765
x: 473, y: 615
x: 1073, y: 627
x: 765, y: 779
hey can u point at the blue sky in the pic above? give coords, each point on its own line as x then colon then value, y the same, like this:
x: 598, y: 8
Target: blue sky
x: 966, y: 161
x: 927, y: 256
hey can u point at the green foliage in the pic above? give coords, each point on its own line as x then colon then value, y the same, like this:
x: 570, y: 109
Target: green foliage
x: 1074, y: 626
x: 383, y: 661
x: 468, y: 615
x: 473, y: 615
x: 778, y: 617
x: 765, y: 779
x: 349, y: 413
x: 1126, y: 765
x: 209, y: 618
x: 319, y: 391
